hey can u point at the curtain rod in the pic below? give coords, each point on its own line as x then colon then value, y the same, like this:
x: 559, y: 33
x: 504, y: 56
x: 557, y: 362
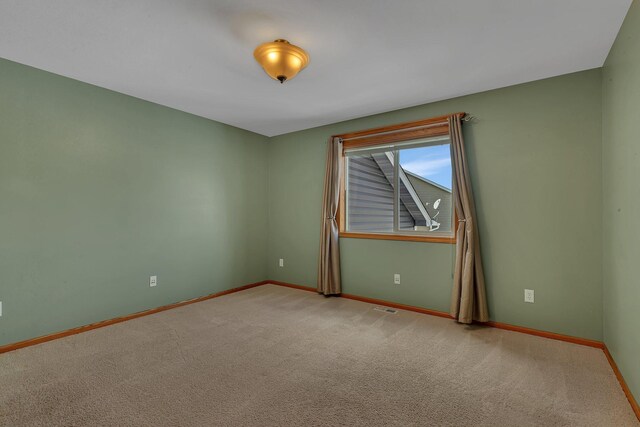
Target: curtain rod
x: 403, y: 127
x: 389, y: 132
x: 383, y: 131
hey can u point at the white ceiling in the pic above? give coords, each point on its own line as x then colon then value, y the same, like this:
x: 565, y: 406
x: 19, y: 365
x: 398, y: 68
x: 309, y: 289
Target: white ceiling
x: 367, y: 56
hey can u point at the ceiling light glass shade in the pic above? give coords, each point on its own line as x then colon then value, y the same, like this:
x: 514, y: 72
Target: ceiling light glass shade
x: 280, y: 59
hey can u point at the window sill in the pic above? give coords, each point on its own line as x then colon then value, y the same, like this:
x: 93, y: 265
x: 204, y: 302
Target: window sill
x: 403, y: 237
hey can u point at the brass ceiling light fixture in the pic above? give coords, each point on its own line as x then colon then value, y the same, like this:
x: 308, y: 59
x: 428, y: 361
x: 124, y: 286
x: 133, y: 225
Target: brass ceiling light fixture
x: 280, y: 59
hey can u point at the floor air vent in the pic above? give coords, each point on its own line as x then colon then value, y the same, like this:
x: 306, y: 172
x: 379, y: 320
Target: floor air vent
x: 386, y: 310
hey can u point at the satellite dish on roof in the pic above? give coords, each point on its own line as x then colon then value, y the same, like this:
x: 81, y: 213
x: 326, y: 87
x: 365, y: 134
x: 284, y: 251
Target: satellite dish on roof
x: 436, y: 204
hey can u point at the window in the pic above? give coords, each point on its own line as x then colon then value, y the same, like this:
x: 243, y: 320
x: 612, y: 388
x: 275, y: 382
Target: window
x: 397, y: 188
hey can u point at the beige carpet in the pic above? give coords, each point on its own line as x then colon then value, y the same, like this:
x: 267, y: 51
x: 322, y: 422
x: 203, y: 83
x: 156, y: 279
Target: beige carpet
x: 277, y: 356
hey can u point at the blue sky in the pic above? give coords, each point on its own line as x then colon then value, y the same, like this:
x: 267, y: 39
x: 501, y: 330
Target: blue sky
x: 433, y: 163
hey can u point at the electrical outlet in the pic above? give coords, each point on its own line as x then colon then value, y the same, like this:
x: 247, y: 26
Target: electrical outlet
x: 528, y: 295
x: 153, y: 281
x: 396, y: 279
x: 281, y: 264
x: 0, y: 308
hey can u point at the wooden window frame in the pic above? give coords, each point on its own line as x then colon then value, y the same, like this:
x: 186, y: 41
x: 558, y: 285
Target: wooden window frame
x: 435, y: 126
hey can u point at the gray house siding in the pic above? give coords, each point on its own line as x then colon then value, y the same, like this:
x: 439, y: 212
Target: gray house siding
x: 385, y: 163
x: 370, y: 198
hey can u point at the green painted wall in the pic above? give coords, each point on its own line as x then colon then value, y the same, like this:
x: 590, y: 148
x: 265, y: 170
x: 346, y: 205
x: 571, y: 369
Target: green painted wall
x: 621, y: 199
x: 535, y: 159
x: 99, y: 190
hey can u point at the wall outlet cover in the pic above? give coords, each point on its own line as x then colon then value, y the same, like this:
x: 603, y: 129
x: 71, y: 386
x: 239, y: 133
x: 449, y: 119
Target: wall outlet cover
x: 396, y: 279
x: 153, y: 281
x: 281, y: 262
x: 529, y: 295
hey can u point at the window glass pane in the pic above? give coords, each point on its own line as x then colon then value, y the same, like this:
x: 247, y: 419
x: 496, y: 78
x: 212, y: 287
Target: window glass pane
x: 425, y: 189
x: 369, y: 198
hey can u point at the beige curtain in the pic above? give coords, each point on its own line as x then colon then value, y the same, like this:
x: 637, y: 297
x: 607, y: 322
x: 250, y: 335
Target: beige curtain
x: 469, y: 298
x: 329, y: 258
